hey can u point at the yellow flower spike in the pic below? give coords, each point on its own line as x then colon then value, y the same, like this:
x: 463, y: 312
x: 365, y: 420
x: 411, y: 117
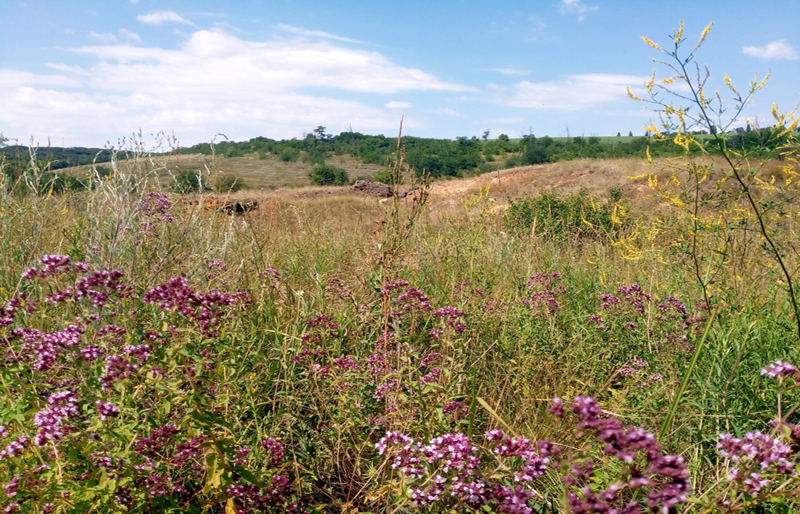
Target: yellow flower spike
x: 730, y: 85
x: 632, y: 96
x: 679, y: 35
x: 649, y: 85
x: 703, y: 35
x: 647, y: 153
x: 761, y: 84
x: 679, y: 112
x: 789, y: 129
x: 775, y: 113
x: 652, y: 44
x: 670, y: 80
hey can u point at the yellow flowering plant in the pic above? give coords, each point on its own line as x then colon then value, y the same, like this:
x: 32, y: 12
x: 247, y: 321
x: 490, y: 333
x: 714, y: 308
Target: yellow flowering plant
x: 731, y: 186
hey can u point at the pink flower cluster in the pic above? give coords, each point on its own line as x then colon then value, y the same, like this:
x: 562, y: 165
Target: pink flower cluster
x: 547, y: 289
x: 754, y: 455
x: 446, y: 470
x: 665, y: 477
x: 205, y: 309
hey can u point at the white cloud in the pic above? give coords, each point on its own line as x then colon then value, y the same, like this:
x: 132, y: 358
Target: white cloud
x: 214, y: 82
x: 576, y: 7
x: 447, y: 111
x: 159, y: 17
x: 104, y: 38
x: 317, y: 34
x: 16, y: 78
x: 775, y: 51
x: 133, y: 36
x: 574, y: 93
x: 398, y: 105
x: 509, y: 70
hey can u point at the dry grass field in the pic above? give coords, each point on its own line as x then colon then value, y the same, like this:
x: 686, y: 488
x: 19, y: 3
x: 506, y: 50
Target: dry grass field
x: 267, y: 173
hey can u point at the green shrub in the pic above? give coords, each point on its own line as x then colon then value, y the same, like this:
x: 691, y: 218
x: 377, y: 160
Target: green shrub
x: 327, y: 175
x: 188, y: 182
x: 228, y: 184
x: 384, y: 176
x: 62, y: 183
x: 313, y: 157
x: 289, y: 154
x: 574, y: 216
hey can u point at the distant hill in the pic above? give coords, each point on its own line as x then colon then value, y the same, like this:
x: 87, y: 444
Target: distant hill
x: 266, y: 163
x: 57, y: 157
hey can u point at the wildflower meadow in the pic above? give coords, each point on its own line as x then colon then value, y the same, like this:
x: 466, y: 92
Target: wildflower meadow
x: 355, y: 355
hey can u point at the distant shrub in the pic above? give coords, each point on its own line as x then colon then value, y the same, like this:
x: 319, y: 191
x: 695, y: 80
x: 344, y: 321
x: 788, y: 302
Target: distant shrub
x: 485, y: 167
x: 226, y: 183
x: 62, y: 183
x: 313, y: 157
x: 384, y: 176
x: 577, y: 216
x: 103, y: 171
x: 289, y: 154
x: 513, y: 161
x: 327, y: 175
x: 188, y: 182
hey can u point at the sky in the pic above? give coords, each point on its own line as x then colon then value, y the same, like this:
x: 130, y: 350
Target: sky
x: 88, y: 73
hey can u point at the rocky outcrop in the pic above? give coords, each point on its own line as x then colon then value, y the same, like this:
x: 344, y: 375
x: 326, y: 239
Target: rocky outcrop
x: 374, y: 188
x: 229, y: 207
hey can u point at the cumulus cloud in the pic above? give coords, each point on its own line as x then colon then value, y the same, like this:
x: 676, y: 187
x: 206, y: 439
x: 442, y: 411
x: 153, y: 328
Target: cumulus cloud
x: 105, y: 38
x: 574, y: 93
x: 576, y: 7
x: 447, y: 111
x: 215, y: 82
x: 775, y: 51
x: 509, y: 70
x: 133, y: 36
x: 159, y: 17
x: 398, y: 105
x: 317, y: 34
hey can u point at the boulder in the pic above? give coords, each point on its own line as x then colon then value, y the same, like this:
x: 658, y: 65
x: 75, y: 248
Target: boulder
x: 374, y: 188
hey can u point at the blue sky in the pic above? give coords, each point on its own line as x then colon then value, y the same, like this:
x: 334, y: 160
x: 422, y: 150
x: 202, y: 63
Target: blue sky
x: 89, y: 72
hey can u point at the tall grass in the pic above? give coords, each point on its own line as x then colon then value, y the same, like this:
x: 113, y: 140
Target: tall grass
x: 311, y: 343
x: 342, y: 354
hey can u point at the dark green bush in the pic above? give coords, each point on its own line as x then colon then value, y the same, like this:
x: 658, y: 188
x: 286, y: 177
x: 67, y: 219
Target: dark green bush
x: 384, y: 176
x: 289, y: 154
x: 327, y: 175
x: 62, y: 183
x: 188, y: 182
x: 575, y: 216
x: 228, y: 184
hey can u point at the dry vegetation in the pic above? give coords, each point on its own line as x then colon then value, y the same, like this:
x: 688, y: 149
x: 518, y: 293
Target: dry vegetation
x: 267, y: 173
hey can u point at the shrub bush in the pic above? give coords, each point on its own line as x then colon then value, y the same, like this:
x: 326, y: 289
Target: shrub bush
x: 327, y: 175
x: 576, y: 216
x: 289, y: 154
x: 228, y: 184
x: 188, y: 182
